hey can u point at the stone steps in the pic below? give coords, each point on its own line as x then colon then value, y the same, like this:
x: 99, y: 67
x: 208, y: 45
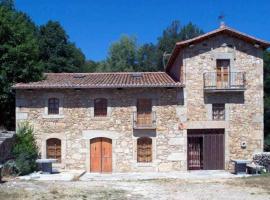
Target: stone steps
x: 5, y: 144
x: 5, y: 135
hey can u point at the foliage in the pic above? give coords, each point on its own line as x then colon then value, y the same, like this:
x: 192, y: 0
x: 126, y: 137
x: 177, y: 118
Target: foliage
x: 25, y: 150
x: 267, y: 100
x: 126, y: 55
x: 147, y: 58
x: 7, y: 3
x: 172, y: 34
x: 19, y: 57
x: 122, y: 55
x: 57, y: 53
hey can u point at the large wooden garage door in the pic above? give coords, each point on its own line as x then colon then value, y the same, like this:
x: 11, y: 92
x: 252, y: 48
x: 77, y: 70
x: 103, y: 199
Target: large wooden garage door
x: 101, y: 155
x: 206, y: 149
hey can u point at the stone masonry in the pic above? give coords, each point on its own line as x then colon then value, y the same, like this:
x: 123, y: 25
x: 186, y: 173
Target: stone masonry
x: 76, y: 126
x: 244, y: 110
x: 177, y: 111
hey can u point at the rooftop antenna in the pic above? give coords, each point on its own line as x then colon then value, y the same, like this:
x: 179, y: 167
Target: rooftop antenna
x: 221, y: 18
x: 164, y: 58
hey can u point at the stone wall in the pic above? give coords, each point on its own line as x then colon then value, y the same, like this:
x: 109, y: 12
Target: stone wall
x: 176, y: 109
x: 244, y: 110
x: 76, y: 125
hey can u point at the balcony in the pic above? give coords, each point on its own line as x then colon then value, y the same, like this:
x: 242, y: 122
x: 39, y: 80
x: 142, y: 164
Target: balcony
x: 222, y: 82
x: 144, y: 120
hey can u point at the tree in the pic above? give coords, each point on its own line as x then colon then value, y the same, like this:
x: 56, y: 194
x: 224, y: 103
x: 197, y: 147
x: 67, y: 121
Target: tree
x: 19, y: 58
x: 267, y: 99
x: 122, y: 55
x: 172, y: 34
x: 90, y: 66
x: 7, y: 3
x: 147, y: 58
x: 57, y: 53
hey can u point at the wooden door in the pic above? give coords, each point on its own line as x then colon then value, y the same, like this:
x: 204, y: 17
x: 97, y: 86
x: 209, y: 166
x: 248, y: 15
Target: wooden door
x: 101, y: 155
x: 106, y: 155
x: 206, y: 149
x: 144, y: 112
x: 223, y: 73
x: 195, y: 152
x: 213, y: 150
x: 95, y: 155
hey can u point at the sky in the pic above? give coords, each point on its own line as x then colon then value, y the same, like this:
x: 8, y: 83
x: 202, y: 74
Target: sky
x: 94, y: 25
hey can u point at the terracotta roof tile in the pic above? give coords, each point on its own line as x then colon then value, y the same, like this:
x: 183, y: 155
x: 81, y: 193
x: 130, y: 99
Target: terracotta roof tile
x: 102, y: 80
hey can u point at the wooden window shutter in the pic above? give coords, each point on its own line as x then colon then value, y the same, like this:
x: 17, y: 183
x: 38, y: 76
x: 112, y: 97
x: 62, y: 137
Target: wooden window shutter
x: 144, y: 149
x: 100, y: 107
x: 54, y: 149
x: 53, y: 106
x: 144, y: 112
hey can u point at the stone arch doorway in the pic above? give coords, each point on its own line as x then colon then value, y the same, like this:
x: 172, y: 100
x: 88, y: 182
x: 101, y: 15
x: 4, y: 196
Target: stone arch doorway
x: 101, y: 155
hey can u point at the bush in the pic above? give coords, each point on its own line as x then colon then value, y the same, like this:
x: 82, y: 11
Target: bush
x: 25, y: 150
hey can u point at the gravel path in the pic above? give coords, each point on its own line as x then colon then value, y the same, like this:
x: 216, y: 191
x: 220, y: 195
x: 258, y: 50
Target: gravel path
x: 252, y: 188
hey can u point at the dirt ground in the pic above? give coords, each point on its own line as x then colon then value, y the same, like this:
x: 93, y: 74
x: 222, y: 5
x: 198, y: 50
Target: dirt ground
x: 252, y: 188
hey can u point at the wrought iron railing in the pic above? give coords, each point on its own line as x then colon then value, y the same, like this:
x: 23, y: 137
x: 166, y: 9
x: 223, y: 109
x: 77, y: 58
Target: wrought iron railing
x: 144, y: 120
x: 224, y: 81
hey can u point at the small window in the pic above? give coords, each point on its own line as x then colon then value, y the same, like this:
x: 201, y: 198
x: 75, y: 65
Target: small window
x: 218, y: 111
x: 100, y: 107
x: 54, y: 149
x: 144, y: 149
x: 53, y: 106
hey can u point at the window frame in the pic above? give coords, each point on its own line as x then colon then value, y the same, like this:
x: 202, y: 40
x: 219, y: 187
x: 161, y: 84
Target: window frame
x: 218, y: 112
x: 55, y: 110
x: 55, y: 154
x: 103, y: 107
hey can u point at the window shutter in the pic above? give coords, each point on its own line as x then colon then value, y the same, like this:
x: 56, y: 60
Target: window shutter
x: 53, y: 106
x: 54, y: 149
x: 144, y: 149
x: 100, y: 107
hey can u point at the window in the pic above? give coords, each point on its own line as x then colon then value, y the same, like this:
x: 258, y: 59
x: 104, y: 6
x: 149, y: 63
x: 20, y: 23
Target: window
x: 144, y: 149
x: 100, y: 107
x: 223, y: 66
x: 218, y: 111
x: 53, y: 106
x: 54, y: 149
x: 144, y: 112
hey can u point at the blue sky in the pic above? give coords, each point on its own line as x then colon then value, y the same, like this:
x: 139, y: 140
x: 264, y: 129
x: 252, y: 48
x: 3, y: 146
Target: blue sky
x: 94, y: 25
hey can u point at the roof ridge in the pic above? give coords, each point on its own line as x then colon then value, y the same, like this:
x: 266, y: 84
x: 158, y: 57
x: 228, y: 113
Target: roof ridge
x: 89, y: 73
x: 220, y: 29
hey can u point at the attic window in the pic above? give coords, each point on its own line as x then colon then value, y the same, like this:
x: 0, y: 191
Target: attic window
x: 78, y: 76
x: 137, y: 75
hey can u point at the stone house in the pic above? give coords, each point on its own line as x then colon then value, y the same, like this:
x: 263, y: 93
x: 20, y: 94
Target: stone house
x: 205, y: 109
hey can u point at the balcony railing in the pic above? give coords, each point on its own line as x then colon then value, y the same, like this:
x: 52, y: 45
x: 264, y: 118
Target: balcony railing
x: 144, y: 120
x: 232, y: 81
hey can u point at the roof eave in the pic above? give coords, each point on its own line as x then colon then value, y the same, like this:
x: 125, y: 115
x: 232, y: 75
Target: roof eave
x: 177, y: 85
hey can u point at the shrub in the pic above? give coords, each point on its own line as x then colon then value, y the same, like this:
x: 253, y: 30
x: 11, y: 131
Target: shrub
x: 25, y: 150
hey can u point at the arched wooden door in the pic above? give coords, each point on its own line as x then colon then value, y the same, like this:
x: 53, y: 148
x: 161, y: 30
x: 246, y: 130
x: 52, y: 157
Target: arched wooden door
x: 101, y: 155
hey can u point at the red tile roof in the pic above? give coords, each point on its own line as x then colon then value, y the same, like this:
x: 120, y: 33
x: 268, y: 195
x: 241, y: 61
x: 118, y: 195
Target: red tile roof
x: 223, y: 29
x: 102, y: 80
